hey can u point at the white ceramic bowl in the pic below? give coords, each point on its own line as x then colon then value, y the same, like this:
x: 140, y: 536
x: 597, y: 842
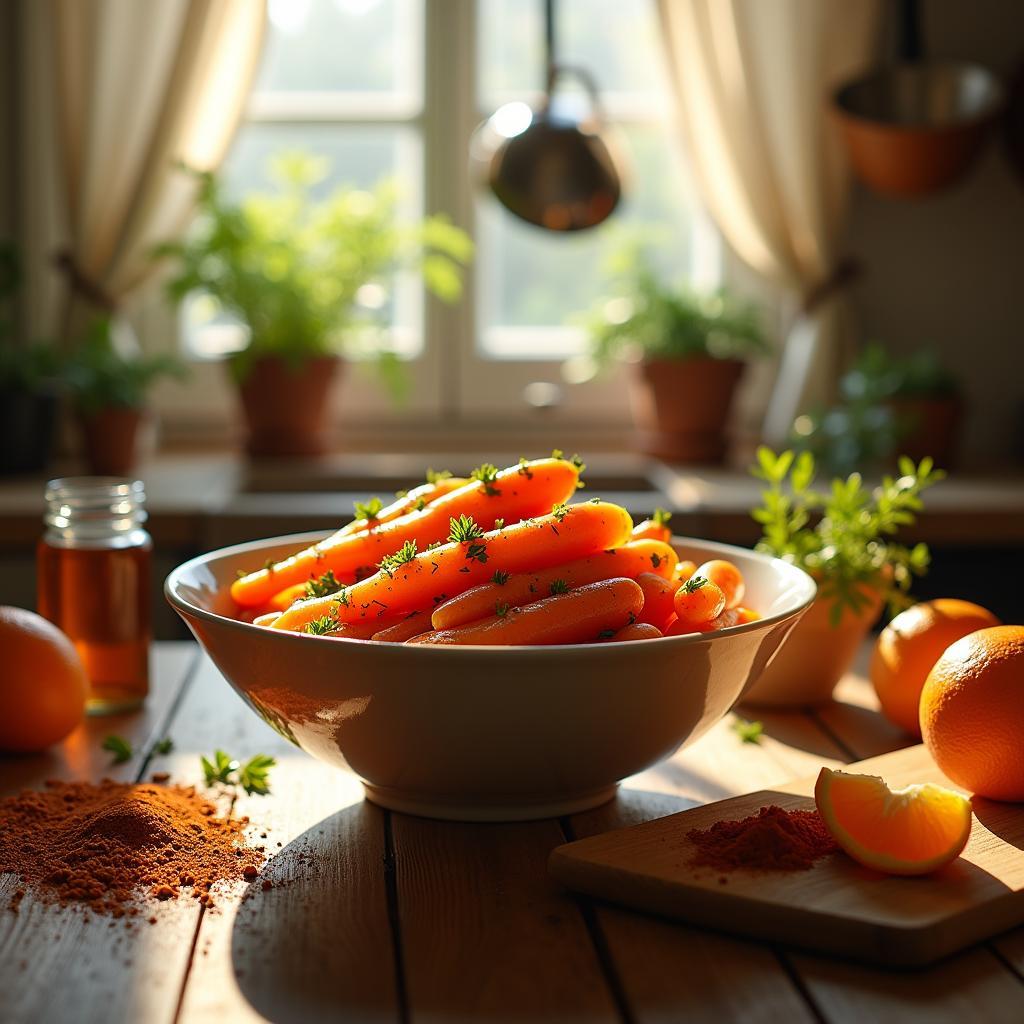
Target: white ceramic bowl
x: 488, y: 733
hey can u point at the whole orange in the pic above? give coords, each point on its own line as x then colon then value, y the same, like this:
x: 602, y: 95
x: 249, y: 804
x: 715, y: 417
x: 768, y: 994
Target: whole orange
x: 42, y: 682
x: 972, y: 713
x: 909, y: 646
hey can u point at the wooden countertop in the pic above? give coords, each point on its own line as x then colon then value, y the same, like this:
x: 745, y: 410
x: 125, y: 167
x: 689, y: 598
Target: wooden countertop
x: 393, y: 918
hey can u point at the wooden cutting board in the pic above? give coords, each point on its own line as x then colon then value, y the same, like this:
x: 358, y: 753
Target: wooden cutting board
x: 835, y: 907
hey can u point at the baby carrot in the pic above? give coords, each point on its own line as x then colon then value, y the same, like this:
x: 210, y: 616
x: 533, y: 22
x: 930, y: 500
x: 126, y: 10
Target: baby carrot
x: 629, y: 561
x: 684, y: 570
x: 659, y: 599
x: 728, y: 578
x: 418, y: 579
x: 592, y: 612
x: 267, y: 619
x: 415, y: 623
x: 728, y: 618
x: 412, y: 501
x: 698, y: 600
x: 746, y: 615
x: 635, y: 631
x: 655, y: 528
x: 510, y: 495
x: 284, y: 599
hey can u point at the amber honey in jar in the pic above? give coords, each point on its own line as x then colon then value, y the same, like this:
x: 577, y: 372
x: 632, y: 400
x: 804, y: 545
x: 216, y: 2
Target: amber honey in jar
x: 93, y: 581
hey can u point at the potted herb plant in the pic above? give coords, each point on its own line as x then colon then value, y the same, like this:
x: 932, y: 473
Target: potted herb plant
x: 887, y: 403
x: 844, y: 537
x: 108, y: 390
x: 28, y: 384
x: 689, y: 351
x: 293, y: 270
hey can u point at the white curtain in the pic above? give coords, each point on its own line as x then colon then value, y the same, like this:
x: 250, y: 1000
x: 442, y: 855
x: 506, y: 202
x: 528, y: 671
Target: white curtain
x: 141, y: 86
x: 752, y: 80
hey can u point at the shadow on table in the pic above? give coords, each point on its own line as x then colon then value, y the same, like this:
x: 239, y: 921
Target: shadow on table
x: 317, y: 946
x: 1001, y: 819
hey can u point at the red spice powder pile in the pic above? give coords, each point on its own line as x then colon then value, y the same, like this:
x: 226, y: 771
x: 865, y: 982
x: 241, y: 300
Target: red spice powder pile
x: 771, y: 840
x: 109, y: 845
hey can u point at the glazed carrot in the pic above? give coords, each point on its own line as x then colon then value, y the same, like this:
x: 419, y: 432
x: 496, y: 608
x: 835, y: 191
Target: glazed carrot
x: 267, y: 619
x: 724, y: 621
x: 362, y: 630
x: 412, y: 501
x: 635, y: 631
x: 728, y: 578
x: 659, y: 599
x: 510, y: 495
x: 425, y: 578
x: 405, y: 629
x: 284, y: 599
x: 684, y: 570
x: 655, y: 528
x: 746, y: 615
x: 698, y: 600
x: 628, y: 561
x: 587, y: 614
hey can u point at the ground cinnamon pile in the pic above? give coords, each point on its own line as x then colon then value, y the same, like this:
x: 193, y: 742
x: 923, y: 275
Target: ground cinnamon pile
x: 109, y: 845
x: 774, y: 839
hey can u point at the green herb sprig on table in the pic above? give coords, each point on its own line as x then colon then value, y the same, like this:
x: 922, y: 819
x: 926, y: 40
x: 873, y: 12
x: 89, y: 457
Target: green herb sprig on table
x: 119, y: 747
x: 252, y: 776
x: 843, y: 536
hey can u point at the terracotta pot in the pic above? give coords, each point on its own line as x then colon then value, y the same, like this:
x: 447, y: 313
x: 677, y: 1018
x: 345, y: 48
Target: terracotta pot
x: 285, y: 406
x: 814, y: 657
x: 681, y: 406
x: 932, y: 426
x: 915, y: 129
x: 110, y: 439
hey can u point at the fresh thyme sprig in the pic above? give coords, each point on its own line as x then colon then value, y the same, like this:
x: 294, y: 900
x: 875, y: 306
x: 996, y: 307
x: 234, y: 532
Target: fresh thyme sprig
x: 463, y: 529
x: 368, y: 509
x: 694, y: 583
x: 435, y: 476
x: 500, y: 577
x: 524, y: 468
x: 323, y: 585
x: 390, y: 564
x: 317, y: 627
x: 486, y: 473
x: 661, y: 517
x: 558, y: 587
x: 501, y: 610
x: 560, y: 510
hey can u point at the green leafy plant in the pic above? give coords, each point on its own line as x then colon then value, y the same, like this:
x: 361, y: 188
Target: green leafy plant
x: 98, y: 376
x: 646, y: 316
x: 252, y: 776
x: 843, y: 536
x: 292, y: 268
x: 865, y: 427
x: 119, y: 747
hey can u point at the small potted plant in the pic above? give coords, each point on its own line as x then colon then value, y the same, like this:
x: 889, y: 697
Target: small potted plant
x: 28, y: 384
x: 108, y: 390
x: 887, y: 404
x: 689, y: 351
x: 294, y: 270
x: 843, y: 537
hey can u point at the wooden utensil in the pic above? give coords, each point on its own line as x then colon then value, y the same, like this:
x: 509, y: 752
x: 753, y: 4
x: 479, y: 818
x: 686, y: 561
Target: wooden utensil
x: 835, y: 907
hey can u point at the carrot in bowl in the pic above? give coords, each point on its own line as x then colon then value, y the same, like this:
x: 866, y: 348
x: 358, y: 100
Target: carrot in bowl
x: 415, y: 579
x: 655, y: 528
x: 634, y: 631
x: 628, y: 561
x: 509, y: 495
x: 659, y: 599
x: 592, y: 612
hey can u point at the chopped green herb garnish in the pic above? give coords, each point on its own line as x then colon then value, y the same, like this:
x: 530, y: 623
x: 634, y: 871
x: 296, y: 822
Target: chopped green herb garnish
x: 501, y: 610
x: 421, y: 504
x: 486, y: 474
x: 500, y: 577
x: 748, y: 732
x: 694, y: 583
x: 119, y: 747
x: 499, y: 524
x: 164, y: 746
x: 606, y: 634
x: 435, y: 476
x: 405, y: 554
x: 557, y: 453
x: 560, y: 510
x: 524, y: 469
x: 478, y: 552
x: 317, y: 627
x: 269, y: 565
x: 368, y: 509
x: 240, y: 574
x: 595, y: 501
x: 558, y: 587
x: 463, y: 530
x: 661, y: 517
x: 434, y: 546
x: 323, y: 585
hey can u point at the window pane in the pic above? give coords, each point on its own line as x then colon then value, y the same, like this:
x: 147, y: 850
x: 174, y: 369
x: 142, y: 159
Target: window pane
x: 360, y: 157
x: 369, y: 46
x: 617, y: 41
x: 531, y: 280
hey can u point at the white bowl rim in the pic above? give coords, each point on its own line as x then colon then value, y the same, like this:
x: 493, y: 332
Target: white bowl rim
x: 304, y: 539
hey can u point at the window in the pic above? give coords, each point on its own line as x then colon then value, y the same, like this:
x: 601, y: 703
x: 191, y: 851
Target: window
x: 394, y: 89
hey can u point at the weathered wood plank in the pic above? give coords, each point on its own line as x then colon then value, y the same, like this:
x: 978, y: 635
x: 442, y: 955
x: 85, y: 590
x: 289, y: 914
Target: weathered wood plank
x: 317, y: 946
x: 61, y: 964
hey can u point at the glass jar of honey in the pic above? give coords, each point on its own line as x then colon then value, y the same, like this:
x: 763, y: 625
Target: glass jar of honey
x: 93, y: 581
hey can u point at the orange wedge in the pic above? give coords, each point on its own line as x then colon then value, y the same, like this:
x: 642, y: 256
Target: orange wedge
x: 909, y: 831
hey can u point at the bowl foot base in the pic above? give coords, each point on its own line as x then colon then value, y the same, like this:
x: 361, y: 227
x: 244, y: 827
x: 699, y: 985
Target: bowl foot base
x: 492, y: 810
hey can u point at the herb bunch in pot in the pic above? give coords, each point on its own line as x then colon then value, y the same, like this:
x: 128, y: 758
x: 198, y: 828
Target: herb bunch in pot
x: 109, y: 388
x: 294, y: 271
x: 689, y: 352
x: 845, y: 537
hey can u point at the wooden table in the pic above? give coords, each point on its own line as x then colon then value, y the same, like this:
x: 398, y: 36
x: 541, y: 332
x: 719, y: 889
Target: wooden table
x: 391, y: 918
